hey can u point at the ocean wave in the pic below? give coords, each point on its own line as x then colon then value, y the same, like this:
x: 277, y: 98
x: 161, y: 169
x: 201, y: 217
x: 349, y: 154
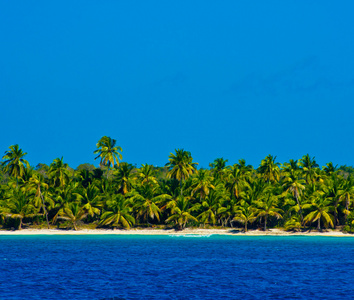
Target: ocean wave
x: 191, y: 235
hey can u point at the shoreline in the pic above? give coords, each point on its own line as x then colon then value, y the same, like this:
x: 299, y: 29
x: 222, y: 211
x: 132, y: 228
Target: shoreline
x: 188, y: 231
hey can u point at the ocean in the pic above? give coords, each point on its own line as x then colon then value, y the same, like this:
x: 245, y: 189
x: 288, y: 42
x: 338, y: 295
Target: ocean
x: 176, y: 267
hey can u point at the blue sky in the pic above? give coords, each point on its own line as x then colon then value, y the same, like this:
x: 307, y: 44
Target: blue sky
x: 232, y: 79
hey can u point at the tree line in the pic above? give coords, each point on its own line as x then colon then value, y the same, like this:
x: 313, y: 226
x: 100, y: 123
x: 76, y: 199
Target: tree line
x: 295, y: 195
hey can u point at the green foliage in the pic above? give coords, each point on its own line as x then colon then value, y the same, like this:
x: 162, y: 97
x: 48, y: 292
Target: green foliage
x: 296, y: 195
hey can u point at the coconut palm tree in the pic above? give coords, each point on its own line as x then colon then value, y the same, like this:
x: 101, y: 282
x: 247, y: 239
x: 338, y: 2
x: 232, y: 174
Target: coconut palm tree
x: 236, y: 181
x: 37, y: 184
x: 73, y: 212
x: 218, y: 167
x: 108, y: 152
x: 245, y: 214
x: 90, y: 198
x: 146, y: 174
x: 181, y: 213
x: 146, y: 199
x: 294, y: 184
x: 180, y: 166
x: 209, y: 207
x: 319, y: 210
x: 14, y: 162
x: 59, y: 172
x: 347, y: 194
x: 202, y: 183
x: 333, y: 190
x: 118, y: 212
x: 18, y: 207
x: 269, y: 169
x: 310, y: 167
x: 268, y: 207
x: 124, y: 178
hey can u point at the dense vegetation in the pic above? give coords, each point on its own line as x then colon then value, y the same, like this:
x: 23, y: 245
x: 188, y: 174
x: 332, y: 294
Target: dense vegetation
x: 295, y: 195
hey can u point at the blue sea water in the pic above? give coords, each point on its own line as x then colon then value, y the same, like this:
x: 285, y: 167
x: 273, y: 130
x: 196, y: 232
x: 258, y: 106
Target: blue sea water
x: 176, y: 267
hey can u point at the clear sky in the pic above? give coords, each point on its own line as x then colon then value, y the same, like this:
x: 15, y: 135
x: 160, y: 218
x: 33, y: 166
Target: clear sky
x: 231, y: 79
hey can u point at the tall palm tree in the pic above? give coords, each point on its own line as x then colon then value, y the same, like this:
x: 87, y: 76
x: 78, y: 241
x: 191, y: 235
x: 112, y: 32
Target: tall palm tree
x: 294, y: 184
x: 236, y: 181
x: 202, y: 183
x: 218, y: 167
x: 180, y: 166
x: 333, y: 190
x: 124, y: 177
x: 59, y: 173
x: 310, y: 167
x: 146, y: 174
x: 38, y: 185
x: 347, y: 194
x: 270, y: 169
x: 209, y: 207
x: 268, y: 207
x: 108, y: 152
x: 14, y: 162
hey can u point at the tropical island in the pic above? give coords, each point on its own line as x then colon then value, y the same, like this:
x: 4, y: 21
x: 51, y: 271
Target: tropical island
x: 296, y: 196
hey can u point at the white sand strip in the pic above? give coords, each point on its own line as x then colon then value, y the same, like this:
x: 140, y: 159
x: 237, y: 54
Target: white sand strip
x: 151, y: 231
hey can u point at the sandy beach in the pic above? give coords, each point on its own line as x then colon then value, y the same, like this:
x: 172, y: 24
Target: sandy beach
x: 152, y: 231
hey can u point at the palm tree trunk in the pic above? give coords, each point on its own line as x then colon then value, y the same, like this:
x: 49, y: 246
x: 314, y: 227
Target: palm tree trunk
x: 335, y: 214
x: 300, y: 209
x: 319, y: 224
x: 246, y: 226
x: 265, y: 222
x: 44, y: 208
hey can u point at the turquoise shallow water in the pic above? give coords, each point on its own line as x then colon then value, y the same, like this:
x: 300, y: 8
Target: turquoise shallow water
x: 170, y: 267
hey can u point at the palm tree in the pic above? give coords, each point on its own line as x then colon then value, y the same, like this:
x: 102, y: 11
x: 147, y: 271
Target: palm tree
x: 347, y: 193
x: 310, y: 167
x: 329, y: 168
x: 181, y: 213
x: 18, y: 207
x: 124, y: 177
x: 146, y: 199
x: 218, y: 167
x: 294, y: 184
x: 90, y: 198
x: 37, y: 184
x: 118, y: 212
x: 270, y: 169
x: 319, y: 210
x: 62, y: 197
x: 209, y: 207
x: 202, y: 183
x: 59, y: 173
x: 268, y: 208
x: 108, y: 152
x: 146, y: 174
x: 73, y: 212
x: 14, y: 162
x: 245, y: 214
x: 236, y: 181
x: 181, y: 166
x: 333, y: 190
